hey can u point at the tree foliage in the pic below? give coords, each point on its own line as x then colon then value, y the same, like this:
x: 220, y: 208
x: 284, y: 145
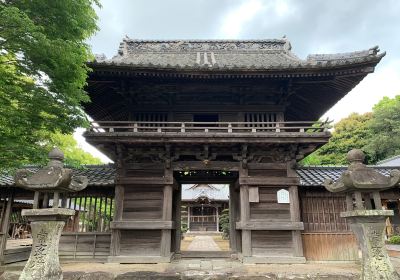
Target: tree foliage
x: 376, y: 133
x: 352, y: 132
x: 43, y: 70
x: 385, y: 129
x: 74, y: 155
x: 224, y: 223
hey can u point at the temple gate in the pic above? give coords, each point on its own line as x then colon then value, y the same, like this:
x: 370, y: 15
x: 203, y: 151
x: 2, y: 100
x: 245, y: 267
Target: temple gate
x: 236, y: 112
x: 241, y: 112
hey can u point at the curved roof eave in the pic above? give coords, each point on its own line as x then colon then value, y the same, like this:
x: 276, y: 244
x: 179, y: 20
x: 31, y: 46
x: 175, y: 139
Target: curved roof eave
x: 366, y: 65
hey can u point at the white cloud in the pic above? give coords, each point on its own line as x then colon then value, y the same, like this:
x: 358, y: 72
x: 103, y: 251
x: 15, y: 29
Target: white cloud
x: 282, y: 8
x: 234, y: 21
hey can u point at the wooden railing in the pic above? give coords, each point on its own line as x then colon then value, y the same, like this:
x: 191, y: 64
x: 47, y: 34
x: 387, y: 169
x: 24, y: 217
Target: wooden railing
x: 207, y: 127
x: 203, y: 219
x: 85, y: 245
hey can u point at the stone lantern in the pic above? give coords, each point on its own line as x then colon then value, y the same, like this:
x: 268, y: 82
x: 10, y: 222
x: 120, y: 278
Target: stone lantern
x: 47, y: 223
x: 362, y: 186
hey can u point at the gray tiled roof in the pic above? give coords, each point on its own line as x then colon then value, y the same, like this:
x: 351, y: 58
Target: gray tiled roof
x: 103, y: 175
x: 315, y: 175
x: 392, y: 161
x: 226, y: 54
x: 98, y: 175
x: 213, y: 192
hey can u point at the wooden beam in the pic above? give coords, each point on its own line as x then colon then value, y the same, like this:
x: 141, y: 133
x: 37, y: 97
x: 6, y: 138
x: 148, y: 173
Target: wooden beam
x: 294, y: 204
x: 234, y: 236
x: 96, y: 138
x: 165, y: 242
x: 116, y: 233
x: 269, y: 181
x: 144, y: 224
x: 273, y: 166
x: 139, y: 259
x: 210, y: 108
x: 295, y: 218
x: 167, y: 217
x: 233, y: 201
x: 5, y: 223
x: 144, y: 166
x: 167, y: 203
x: 254, y: 194
x: 178, y: 209
x: 119, y: 202
x: 244, y: 203
x: 199, y: 165
x: 264, y: 225
x: 244, y: 218
x: 150, y: 181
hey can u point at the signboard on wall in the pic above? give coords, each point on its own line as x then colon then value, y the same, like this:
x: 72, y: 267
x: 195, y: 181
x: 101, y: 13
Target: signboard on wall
x: 283, y: 196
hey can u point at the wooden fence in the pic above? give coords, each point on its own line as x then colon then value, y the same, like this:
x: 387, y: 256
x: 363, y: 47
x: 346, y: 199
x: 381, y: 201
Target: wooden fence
x: 87, y: 235
x: 325, y: 246
x: 93, y: 213
x: 326, y: 236
x: 320, y: 212
x: 85, y: 245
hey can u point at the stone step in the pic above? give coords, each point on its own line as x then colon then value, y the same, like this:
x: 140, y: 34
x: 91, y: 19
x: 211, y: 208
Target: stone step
x: 205, y: 254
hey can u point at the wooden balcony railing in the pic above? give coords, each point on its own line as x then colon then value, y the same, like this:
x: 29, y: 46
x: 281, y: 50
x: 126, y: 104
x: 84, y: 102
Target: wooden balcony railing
x: 203, y: 219
x: 207, y: 127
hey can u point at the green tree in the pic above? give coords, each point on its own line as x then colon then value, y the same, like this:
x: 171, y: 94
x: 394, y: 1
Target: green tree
x: 43, y: 71
x: 74, y: 156
x: 224, y: 223
x: 353, y: 132
x: 385, y: 128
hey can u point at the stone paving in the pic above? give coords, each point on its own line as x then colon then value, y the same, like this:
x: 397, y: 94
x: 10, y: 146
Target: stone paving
x: 203, y: 243
x: 199, y: 269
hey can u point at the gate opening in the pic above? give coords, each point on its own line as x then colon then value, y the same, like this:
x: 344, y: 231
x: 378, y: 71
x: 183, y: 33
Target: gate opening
x: 205, y: 219
x: 206, y: 215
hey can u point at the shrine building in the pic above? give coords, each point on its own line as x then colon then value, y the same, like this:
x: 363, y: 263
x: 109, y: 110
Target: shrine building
x: 240, y: 113
x: 203, y: 204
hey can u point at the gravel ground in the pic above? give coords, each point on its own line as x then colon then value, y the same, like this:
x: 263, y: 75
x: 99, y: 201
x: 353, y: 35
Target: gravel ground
x: 207, y: 268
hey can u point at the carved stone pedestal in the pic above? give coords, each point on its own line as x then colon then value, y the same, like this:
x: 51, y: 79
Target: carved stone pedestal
x: 369, y: 228
x: 47, y: 225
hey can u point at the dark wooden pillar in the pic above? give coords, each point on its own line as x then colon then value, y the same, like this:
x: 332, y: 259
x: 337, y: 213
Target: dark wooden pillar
x: 178, y: 217
x: 270, y: 220
x: 167, y: 216
x: 244, y: 218
x: 295, y: 217
x: 295, y: 211
x: 116, y: 233
x: 143, y: 225
x: 5, y: 223
x: 233, y: 212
